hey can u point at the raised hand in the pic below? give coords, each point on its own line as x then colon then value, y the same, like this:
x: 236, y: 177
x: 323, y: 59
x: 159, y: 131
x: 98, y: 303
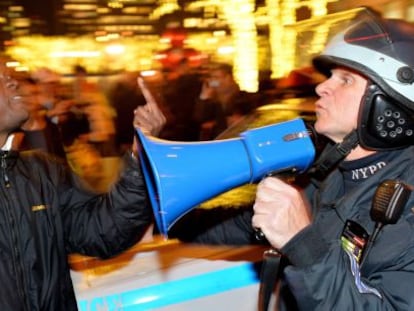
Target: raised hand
x: 149, y: 118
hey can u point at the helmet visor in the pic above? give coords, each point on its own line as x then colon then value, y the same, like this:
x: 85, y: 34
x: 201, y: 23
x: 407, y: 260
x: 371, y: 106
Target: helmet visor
x: 381, y: 49
x: 360, y: 28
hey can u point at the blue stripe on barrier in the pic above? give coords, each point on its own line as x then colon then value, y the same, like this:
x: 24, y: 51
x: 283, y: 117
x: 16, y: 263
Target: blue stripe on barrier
x: 174, y: 292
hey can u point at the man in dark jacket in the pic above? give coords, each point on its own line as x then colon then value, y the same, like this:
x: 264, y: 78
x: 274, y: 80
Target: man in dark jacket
x: 45, y: 215
x: 340, y: 254
x: 221, y: 103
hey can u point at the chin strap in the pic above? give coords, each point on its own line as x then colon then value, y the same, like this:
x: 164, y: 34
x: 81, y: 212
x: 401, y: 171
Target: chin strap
x: 332, y: 155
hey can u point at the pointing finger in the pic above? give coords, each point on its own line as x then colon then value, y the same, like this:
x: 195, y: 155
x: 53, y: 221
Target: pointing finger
x: 145, y: 91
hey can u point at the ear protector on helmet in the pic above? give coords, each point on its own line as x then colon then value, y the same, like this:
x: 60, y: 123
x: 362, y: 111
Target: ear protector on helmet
x: 383, y: 123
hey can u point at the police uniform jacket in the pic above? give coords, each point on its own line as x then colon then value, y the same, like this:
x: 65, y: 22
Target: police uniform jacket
x: 321, y: 274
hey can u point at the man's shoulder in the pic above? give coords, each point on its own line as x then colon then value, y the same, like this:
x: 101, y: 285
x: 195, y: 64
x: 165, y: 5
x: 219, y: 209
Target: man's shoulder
x: 407, y: 153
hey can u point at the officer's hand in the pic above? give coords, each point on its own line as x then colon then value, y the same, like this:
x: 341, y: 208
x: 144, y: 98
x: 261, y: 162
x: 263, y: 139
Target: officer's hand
x: 280, y: 211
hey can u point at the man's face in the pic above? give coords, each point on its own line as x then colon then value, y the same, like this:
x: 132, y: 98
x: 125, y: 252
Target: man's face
x: 13, y: 98
x: 219, y: 80
x: 338, y: 106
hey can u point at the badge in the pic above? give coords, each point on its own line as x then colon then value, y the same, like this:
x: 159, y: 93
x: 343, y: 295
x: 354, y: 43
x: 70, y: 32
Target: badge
x: 354, y: 238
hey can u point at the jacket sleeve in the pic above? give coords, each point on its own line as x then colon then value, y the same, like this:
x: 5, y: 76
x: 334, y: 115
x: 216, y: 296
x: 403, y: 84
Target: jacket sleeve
x: 221, y: 225
x: 322, y: 276
x: 104, y: 225
x: 229, y: 224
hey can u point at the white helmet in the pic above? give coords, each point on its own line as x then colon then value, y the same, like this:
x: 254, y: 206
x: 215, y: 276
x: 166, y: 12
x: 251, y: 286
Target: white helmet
x: 383, y: 51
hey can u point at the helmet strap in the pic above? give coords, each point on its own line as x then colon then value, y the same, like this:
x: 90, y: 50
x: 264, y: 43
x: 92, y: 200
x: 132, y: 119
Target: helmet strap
x: 332, y: 155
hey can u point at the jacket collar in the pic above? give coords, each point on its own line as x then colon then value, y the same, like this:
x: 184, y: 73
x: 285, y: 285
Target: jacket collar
x: 396, y: 169
x: 7, y: 155
x: 8, y: 145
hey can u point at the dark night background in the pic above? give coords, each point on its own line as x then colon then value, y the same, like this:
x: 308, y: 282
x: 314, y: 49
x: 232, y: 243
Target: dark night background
x: 44, y: 10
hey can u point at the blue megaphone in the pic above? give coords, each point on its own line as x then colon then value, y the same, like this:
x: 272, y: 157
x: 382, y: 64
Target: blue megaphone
x: 181, y: 175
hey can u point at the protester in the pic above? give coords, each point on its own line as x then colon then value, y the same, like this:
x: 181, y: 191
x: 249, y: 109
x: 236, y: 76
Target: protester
x: 221, y: 103
x: 181, y: 88
x: 91, y: 101
x: 45, y: 215
x: 35, y: 131
x: 124, y: 97
x: 40, y: 131
x: 366, y: 108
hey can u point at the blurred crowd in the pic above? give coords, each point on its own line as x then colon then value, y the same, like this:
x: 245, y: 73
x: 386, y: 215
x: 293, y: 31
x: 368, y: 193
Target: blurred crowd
x: 88, y: 122
x: 74, y: 122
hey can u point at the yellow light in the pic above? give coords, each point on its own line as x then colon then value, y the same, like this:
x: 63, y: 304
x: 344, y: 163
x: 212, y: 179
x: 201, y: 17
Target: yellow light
x: 74, y: 54
x: 112, y: 36
x: 165, y: 7
x: 22, y: 69
x: 210, y: 41
x: 240, y: 17
x: 148, y: 73
x: 20, y: 22
x: 115, y: 4
x: 79, y: 7
x: 288, y: 16
x: 241, y: 49
x: 191, y: 22
x: 282, y: 13
x: 321, y: 34
x: 115, y: 49
x: 219, y: 33
x: 12, y: 64
x: 102, y: 39
x: 225, y: 50
x: 16, y: 8
x: 130, y: 10
x: 102, y: 10
x: 165, y: 40
x: 275, y: 36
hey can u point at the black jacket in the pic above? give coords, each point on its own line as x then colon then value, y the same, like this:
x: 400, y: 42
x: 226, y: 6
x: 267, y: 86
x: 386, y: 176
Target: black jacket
x: 44, y: 216
x: 321, y: 274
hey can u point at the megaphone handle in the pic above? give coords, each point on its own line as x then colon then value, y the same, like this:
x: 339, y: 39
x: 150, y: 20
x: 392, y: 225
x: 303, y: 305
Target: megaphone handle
x: 271, y: 266
x: 287, y: 175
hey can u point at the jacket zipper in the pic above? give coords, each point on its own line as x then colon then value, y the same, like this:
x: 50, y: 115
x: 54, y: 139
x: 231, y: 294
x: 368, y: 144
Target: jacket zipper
x: 4, y: 170
x: 17, y: 260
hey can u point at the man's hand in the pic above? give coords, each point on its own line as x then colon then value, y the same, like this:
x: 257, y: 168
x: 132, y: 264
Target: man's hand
x: 149, y: 118
x: 207, y: 92
x: 280, y: 211
x: 60, y: 109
